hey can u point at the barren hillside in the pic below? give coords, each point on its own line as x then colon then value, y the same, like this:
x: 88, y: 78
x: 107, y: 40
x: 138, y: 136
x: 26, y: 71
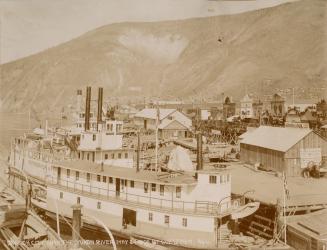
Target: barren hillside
x: 283, y: 46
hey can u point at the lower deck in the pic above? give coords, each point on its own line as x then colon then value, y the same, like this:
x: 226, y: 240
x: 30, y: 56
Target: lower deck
x: 184, y: 230
x: 173, y: 227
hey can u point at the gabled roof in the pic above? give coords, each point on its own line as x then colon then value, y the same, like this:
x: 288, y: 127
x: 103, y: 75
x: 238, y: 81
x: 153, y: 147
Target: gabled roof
x: 167, y: 122
x: 307, y: 116
x: 247, y: 98
x: 275, y: 138
x: 152, y: 113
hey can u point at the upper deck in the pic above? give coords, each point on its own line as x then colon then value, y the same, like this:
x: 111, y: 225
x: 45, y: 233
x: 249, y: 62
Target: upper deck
x: 131, y: 174
x: 209, y: 192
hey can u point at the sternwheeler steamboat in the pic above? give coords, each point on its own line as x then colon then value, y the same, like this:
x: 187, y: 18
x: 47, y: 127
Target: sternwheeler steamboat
x: 88, y: 165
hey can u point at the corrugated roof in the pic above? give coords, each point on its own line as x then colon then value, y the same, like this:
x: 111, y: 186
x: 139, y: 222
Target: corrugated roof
x: 152, y: 113
x: 276, y: 138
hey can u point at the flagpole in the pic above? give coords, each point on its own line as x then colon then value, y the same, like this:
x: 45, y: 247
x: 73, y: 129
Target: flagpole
x: 156, y: 149
x: 284, y: 206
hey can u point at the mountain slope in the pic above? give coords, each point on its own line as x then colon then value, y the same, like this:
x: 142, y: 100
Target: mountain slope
x: 282, y: 46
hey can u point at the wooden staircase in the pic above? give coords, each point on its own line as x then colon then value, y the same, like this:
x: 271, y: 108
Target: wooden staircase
x: 223, y: 234
x: 258, y: 225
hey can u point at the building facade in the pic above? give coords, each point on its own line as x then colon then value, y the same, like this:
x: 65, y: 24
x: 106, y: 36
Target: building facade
x: 172, y: 123
x: 280, y: 149
x: 229, y: 108
x: 277, y: 105
x: 246, y: 110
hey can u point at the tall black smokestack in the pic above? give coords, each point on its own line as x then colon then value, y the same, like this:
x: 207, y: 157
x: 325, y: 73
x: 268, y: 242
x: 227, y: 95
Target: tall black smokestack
x: 87, y: 108
x: 199, y: 159
x: 79, y: 100
x: 100, y: 100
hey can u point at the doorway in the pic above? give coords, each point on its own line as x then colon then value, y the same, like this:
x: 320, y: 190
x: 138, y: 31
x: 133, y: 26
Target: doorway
x: 117, y: 187
x: 129, y: 217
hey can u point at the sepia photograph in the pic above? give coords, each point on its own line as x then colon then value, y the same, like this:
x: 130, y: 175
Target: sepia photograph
x: 163, y: 124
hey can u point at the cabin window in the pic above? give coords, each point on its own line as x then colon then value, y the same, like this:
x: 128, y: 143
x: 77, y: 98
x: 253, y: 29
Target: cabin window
x: 112, y: 156
x: 99, y: 205
x: 162, y: 190
x: 166, y: 219
x: 184, y: 222
x: 125, y: 183
x: 146, y: 187
x: 178, y: 192
x: 78, y: 200
x: 104, y: 179
x: 77, y: 176
x: 111, y: 180
x: 153, y: 187
x: 126, y: 155
x: 61, y: 195
x: 68, y: 173
x: 150, y: 216
x: 119, y: 155
x: 106, y: 156
x: 79, y: 155
x: 88, y: 177
x: 212, y: 179
x: 94, y: 137
x: 99, y: 178
x: 132, y: 184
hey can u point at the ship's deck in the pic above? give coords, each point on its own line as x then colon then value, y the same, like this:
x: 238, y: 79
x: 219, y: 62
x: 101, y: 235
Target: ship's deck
x: 268, y: 188
x: 129, y: 173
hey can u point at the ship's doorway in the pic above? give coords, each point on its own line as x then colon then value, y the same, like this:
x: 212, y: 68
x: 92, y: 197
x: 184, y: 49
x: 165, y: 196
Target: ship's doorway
x: 129, y: 217
x: 145, y: 125
x: 117, y: 186
x: 58, y: 175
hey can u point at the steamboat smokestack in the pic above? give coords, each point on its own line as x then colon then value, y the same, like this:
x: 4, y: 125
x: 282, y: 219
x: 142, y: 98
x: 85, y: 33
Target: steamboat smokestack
x: 79, y: 100
x: 100, y: 101
x: 199, y: 159
x: 87, y: 108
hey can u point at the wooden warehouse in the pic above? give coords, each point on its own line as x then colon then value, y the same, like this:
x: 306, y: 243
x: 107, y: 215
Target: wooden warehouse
x: 288, y: 150
x: 308, y: 231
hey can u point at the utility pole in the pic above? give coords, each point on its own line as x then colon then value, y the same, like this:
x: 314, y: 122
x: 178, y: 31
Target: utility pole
x: 138, y: 152
x: 156, y: 149
x: 77, y: 223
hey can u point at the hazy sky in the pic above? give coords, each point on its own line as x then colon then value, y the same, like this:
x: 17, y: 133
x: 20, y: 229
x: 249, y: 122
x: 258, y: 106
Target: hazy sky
x: 30, y: 26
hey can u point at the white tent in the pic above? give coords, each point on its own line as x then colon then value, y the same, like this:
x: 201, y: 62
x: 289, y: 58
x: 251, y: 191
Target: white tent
x: 179, y: 159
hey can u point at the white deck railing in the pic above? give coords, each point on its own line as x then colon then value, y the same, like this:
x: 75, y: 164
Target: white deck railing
x: 197, y: 207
